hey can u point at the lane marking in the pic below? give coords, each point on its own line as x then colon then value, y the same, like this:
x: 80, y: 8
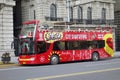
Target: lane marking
x: 16, y: 68
x: 75, y: 74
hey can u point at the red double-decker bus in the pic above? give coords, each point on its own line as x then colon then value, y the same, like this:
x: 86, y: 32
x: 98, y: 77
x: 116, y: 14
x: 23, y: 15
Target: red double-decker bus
x: 47, y: 46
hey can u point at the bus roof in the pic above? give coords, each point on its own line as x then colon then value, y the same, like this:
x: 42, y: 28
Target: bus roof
x: 31, y: 22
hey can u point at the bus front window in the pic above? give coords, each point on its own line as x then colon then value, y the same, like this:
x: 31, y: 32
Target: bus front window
x: 27, y: 30
x: 26, y: 48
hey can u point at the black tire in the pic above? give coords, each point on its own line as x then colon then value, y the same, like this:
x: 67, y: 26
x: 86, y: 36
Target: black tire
x: 95, y: 56
x: 54, y: 59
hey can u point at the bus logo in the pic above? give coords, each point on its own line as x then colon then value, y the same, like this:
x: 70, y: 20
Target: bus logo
x: 51, y: 37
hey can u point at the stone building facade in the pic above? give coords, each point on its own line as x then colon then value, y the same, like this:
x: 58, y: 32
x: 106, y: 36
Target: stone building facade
x: 117, y: 22
x: 99, y: 11
x: 6, y: 26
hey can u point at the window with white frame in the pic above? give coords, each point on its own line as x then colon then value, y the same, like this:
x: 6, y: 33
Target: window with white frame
x: 103, y: 14
x: 53, y: 11
x: 71, y: 12
x: 79, y: 12
x: 89, y: 13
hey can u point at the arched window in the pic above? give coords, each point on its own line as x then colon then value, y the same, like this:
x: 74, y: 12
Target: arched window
x: 89, y: 15
x: 71, y: 14
x: 53, y: 14
x: 103, y: 14
x: 79, y: 13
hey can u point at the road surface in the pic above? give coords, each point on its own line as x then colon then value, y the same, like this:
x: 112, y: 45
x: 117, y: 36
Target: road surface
x: 108, y: 69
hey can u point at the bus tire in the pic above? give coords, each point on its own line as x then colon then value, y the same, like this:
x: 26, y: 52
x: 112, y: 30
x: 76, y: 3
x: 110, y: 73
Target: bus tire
x: 95, y: 56
x: 54, y: 59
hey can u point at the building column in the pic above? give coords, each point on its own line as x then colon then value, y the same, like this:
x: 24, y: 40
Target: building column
x: 6, y: 27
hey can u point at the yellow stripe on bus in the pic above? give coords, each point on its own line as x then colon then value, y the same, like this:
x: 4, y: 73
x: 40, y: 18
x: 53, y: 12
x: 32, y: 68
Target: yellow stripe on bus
x: 108, y: 49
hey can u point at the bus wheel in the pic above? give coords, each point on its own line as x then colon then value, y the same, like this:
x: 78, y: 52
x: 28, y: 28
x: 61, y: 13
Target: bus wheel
x: 54, y: 59
x: 95, y: 56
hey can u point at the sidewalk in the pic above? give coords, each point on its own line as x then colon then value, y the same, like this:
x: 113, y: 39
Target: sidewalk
x: 12, y: 63
x: 14, y: 60
x: 117, y: 54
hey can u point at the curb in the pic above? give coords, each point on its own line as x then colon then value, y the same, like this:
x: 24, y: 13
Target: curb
x: 8, y: 65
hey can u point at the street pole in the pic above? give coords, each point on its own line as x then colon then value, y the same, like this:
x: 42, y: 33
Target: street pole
x: 68, y: 13
x: 68, y: 10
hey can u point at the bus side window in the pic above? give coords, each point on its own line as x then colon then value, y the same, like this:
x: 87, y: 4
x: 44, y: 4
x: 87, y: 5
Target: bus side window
x: 55, y: 46
x: 84, y: 45
x: 70, y: 45
x: 41, y: 47
x: 73, y: 45
x: 61, y: 45
x: 93, y: 46
x: 101, y: 44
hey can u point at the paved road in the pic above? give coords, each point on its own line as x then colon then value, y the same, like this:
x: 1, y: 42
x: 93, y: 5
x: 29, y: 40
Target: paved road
x: 108, y: 69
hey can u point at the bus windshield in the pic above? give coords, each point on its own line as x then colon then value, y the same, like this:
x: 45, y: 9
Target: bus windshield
x: 27, y: 29
x: 27, y: 47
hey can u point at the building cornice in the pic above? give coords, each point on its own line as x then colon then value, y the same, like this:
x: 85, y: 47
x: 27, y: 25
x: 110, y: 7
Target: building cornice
x: 7, y: 2
x: 82, y: 2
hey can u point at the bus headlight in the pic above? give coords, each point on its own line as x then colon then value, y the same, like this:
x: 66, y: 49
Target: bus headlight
x: 32, y: 59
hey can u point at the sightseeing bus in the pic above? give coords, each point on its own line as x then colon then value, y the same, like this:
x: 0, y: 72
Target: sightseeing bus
x: 39, y: 46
